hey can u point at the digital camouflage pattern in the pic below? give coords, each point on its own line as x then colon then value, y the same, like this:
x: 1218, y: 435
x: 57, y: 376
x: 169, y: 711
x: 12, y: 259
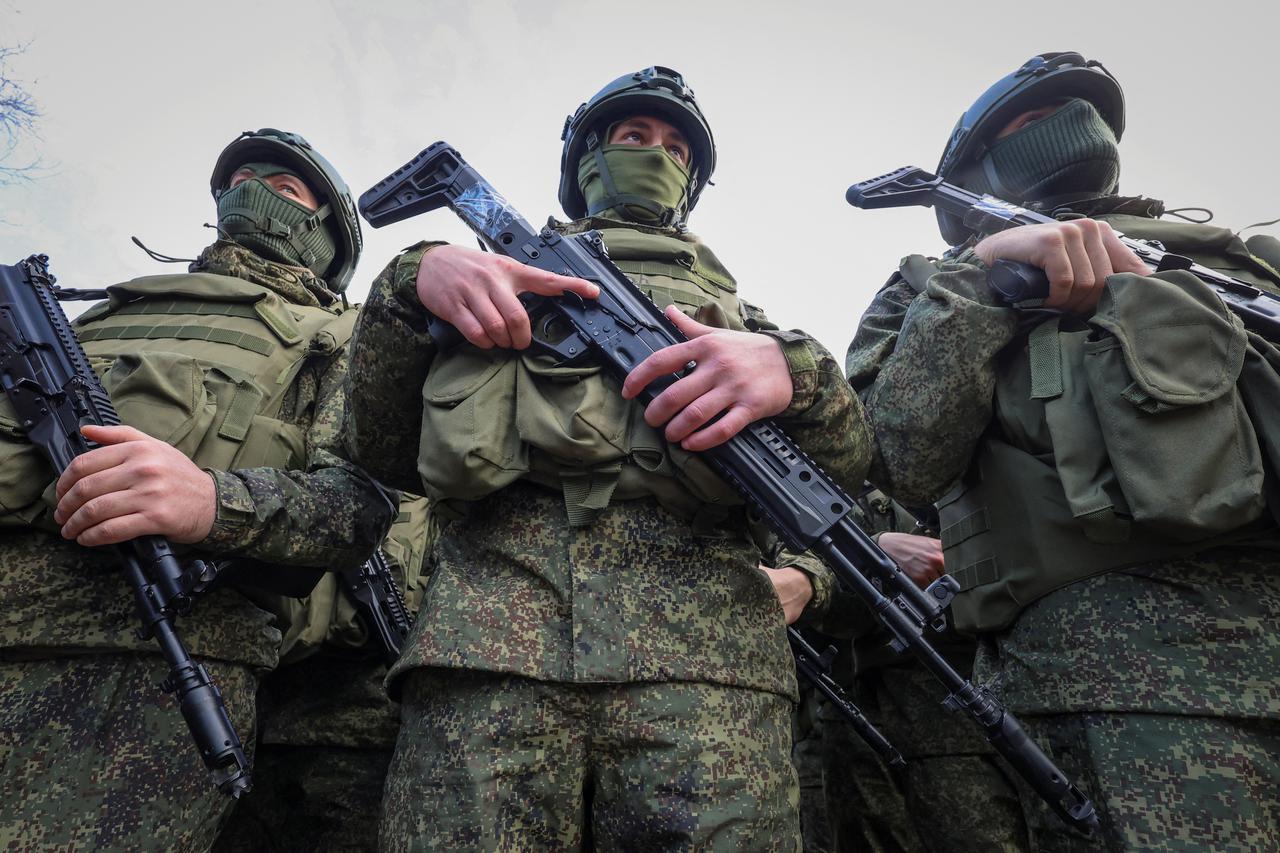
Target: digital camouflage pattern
x: 1180, y: 749
x: 69, y: 610
x: 327, y: 728
x: 327, y: 734
x: 1149, y: 679
x: 639, y: 595
x: 517, y: 591
x: 96, y: 757
x: 491, y: 762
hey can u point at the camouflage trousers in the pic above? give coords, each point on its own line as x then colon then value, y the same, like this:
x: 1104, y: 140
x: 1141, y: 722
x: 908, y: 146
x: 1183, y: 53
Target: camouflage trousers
x: 486, y: 761
x: 95, y: 756
x: 954, y: 796
x: 1163, y: 782
x: 310, y: 799
x: 326, y: 734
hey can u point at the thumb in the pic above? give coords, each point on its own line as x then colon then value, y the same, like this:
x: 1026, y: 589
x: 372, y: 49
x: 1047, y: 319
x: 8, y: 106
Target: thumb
x: 686, y: 324
x: 111, y: 434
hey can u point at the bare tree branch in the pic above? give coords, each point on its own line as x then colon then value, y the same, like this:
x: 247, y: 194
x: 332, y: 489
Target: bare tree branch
x: 18, y: 118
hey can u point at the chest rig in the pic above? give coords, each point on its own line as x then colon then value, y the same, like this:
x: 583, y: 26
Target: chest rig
x: 1135, y: 435
x: 492, y: 417
x: 204, y: 361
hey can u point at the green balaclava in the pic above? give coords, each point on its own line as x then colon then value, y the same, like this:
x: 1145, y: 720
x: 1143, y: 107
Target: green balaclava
x: 634, y: 183
x: 274, y: 226
x: 1072, y: 152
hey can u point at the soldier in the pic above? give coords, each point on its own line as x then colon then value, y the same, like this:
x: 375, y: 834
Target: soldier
x: 326, y: 727
x: 1110, y: 531
x: 230, y: 382
x: 598, y: 662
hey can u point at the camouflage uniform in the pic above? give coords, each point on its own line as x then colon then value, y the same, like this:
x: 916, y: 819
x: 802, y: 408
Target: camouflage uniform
x: 95, y: 755
x: 645, y: 662
x: 326, y: 728
x: 1152, y: 684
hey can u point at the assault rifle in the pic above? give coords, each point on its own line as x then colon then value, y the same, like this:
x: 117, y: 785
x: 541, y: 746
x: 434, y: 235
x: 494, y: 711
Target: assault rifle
x: 54, y: 390
x: 1016, y: 282
x: 375, y: 592
x: 806, y: 508
x: 816, y: 669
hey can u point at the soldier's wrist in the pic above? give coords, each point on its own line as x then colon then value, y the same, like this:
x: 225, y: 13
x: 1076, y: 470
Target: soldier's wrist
x: 802, y: 364
x: 233, y: 511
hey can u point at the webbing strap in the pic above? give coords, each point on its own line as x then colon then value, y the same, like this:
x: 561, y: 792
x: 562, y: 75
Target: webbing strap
x: 965, y: 528
x: 269, y: 310
x: 586, y: 493
x: 261, y: 346
x: 981, y: 573
x: 239, y: 417
x: 1045, y: 353
x: 187, y: 306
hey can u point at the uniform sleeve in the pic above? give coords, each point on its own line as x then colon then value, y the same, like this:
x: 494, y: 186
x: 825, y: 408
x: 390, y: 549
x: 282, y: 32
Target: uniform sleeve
x: 820, y: 577
x: 391, y: 351
x: 330, y: 513
x: 824, y: 418
x: 925, y: 367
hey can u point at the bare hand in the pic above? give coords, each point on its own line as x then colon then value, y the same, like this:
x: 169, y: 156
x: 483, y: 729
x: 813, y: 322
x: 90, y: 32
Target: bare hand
x: 1077, y: 256
x: 476, y: 293
x: 794, y: 590
x: 134, y: 485
x: 919, y: 556
x: 742, y: 374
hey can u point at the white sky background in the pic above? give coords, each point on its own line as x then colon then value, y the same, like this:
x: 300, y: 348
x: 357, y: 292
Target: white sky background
x: 804, y: 99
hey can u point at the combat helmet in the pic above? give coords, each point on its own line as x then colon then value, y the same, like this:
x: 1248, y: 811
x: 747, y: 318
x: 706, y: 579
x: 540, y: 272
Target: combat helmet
x: 656, y: 91
x: 337, y: 206
x: 1040, y: 80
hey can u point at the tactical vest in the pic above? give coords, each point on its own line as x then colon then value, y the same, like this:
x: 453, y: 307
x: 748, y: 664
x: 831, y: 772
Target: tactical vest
x: 199, y: 360
x: 203, y: 362
x: 1140, y: 434
x: 491, y: 417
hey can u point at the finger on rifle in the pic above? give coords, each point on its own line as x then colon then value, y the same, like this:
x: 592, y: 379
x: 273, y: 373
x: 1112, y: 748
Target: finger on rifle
x: 464, y: 320
x: 697, y: 414
x: 1099, y: 257
x: 490, y: 318
x: 112, y: 434
x: 116, y: 530
x: 515, y: 318
x: 677, y: 396
x: 1123, y: 259
x: 1055, y: 260
x: 1082, y: 280
x: 534, y: 280
x: 114, y: 479
x: 97, y: 511
x: 733, y: 422
x: 690, y: 327
x: 98, y: 459
x: 666, y: 360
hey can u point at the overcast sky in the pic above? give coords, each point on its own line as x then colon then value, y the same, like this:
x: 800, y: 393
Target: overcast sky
x: 803, y: 98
